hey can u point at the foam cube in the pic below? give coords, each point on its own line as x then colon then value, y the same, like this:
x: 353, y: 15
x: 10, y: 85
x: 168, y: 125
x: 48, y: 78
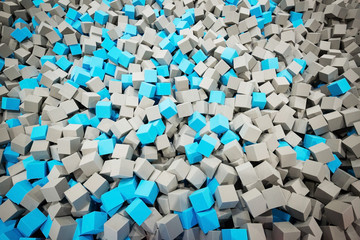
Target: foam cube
x: 219, y: 124
x: 101, y: 17
x: 217, y: 97
x: 197, y: 121
x: 228, y: 55
x: 186, y: 66
x: 192, y: 154
x: 167, y: 108
x: 18, y: 191
x: 256, y: 10
x: 112, y: 199
x: 208, y: 220
x: 150, y: 75
x: 138, y: 211
x: 128, y: 187
x: 93, y: 223
x: 270, y: 63
x: 31, y: 222
x: 147, y: 90
x: 10, y: 103
x: 103, y: 109
x: 129, y: 11
x: 258, y: 100
x: 206, y: 145
x: 163, y: 89
x: 39, y: 133
x: 147, y: 133
x: 234, y: 234
x: 36, y: 169
x: 201, y: 199
x: 339, y: 87
x: 106, y: 146
x: 199, y: 56
x: 147, y: 191
x: 187, y: 218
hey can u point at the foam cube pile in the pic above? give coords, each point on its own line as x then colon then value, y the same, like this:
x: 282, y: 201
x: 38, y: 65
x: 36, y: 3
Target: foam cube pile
x: 180, y: 119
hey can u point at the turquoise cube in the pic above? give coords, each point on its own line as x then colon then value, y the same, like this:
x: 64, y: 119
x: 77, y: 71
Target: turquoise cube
x: 31, y: 222
x: 61, y: 49
x: 163, y: 70
x: 19, y: 35
x: 10, y: 103
x: 219, y: 124
x: 285, y: 73
x: 197, y: 121
x: 311, y: 140
x: 192, y: 154
x: 147, y: 133
x: 150, y: 75
x: 103, y: 109
x: 234, y: 234
x: 138, y: 211
x: 163, y: 89
x: 206, y: 145
x: 101, y: 17
x: 187, y: 218
x: 127, y: 187
x: 302, y: 154
x: 199, y: 56
x: 112, y: 199
x: 129, y: 11
x: 201, y: 199
x: 339, y: 87
x: 167, y: 108
x: 126, y: 80
x: 208, y: 220
x: 334, y: 164
x: 125, y: 59
x: 18, y: 191
x: 36, y: 170
x: 217, y: 97
x: 159, y: 126
x: 64, y: 63
x: 270, y: 63
x: 147, y: 191
x: 256, y: 10
x: 39, y: 133
x: 228, y: 55
x: 93, y: 223
x: 106, y: 146
x: 228, y: 137
x: 147, y: 90
x: 186, y: 66
x: 258, y: 100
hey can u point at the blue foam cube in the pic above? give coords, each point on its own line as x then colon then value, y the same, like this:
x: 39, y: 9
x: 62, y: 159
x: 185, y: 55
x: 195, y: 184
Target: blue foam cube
x: 147, y: 133
x: 311, y: 140
x: 270, y: 63
x: 302, y: 154
x: 187, y: 218
x: 217, y: 97
x: 36, y: 169
x: 18, y: 191
x: 103, y: 109
x: 147, y: 90
x: 339, y: 87
x: 39, y: 132
x: 201, y: 199
x: 228, y: 55
x: 199, y: 56
x: 101, y: 17
x: 129, y: 11
x: 13, y: 234
x: 106, y: 146
x: 19, y: 35
x: 166, y: 44
x: 150, y: 75
x: 197, y: 121
x: 229, y: 136
x: 163, y: 70
x: 31, y: 222
x: 334, y: 164
x: 208, y: 220
x: 258, y: 100
x: 159, y: 126
x: 167, y: 108
x: 61, y: 49
x: 163, y: 89
x: 280, y: 216
x: 186, y: 66
x: 147, y: 191
x: 256, y: 10
x: 10, y: 103
x: 112, y: 199
x: 93, y: 223
x: 234, y: 234
x: 125, y: 59
x: 192, y: 154
x: 64, y: 63
x: 206, y: 145
x: 219, y: 124
x: 138, y: 211
x: 45, y: 228
x: 127, y: 187
x: 285, y: 73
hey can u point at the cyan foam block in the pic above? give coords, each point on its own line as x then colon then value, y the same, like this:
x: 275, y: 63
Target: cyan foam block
x: 197, y: 121
x: 302, y: 154
x: 9, y: 155
x: 270, y: 63
x: 103, y: 109
x: 229, y: 136
x: 163, y: 89
x: 10, y: 103
x: 199, y: 56
x: 228, y: 55
x: 192, y: 154
x: 166, y: 44
x: 201, y: 199
x: 212, y: 184
x: 129, y: 11
x: 93, y: 223
x: 64, y: 63
x: 167, y: 108
x: 219, y: 124
x: 234, y: 234
x: 208, y: 220
x: 334, y: 164
x: 285, y: 73
x: 258, y: 100
x: 159, y: 126
x: 101, y: 17
x: 147, y: 90
x: 138, y: 211
x: 280, y: 216
x: 36, y: 170
x: 186, y: 66
x: 46, y: 226
x: 61, y: 49
x: 187, y: 218
x: 339, y: 87
x: 31, y: 222
x: 106, y: 146
x: 256, y: 10
x: 163, y: 70
x: 206, y: 145
x: 147, y: 133
x: 39, y: 132
x: 131, y: 29
x: 150, y: 75
x: 311, y: 140
x: 217, y: 97
x: 128, y: 187
x: 112, y: 199
x: 13, y: 234
x: 126, y: 58
x: 147, y: 191
x: 18, y: 191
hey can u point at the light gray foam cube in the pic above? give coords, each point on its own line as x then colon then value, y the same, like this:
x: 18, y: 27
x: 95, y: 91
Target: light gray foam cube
x: 226, y: 197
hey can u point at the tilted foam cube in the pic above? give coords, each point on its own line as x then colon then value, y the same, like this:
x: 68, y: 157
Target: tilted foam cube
x: 103, y: 109
x: 128, y: 187
x: 187, y: 218
x: 334, y: 164
x: 234, y: 234
x: 217, y: 97
x: 311, y: 140
x: 339, y: 87
x: 93, y: 223
x: 186, y: 66
x: 31, y: 222
x: 192, y: 154
x: 138, y: 211
x: 228, y: 55
x: 39, y: 132
x: 197, y: 121
x: 129, y: 11
x: 270, y: 63
x: 10, y: 103
x: 150, y: 75
x: 112, y: 199
x: 201, y: 199
x: 206, y: 145
x: 258, y: 100
x: 256, y: 10
x: 302, y: 153
x: 147, y: 90
x: 163, y: 89
x: 36, y: 169
x: 219, y: 124
x: 167, y: 108
x: 101, y: 17
x: 208, y: 220
x: 106, y: 146
x: 199, y: 56
x: 147, y: 191
x: 18, y: 191
x: 159, y: 126
x: 147, y: 133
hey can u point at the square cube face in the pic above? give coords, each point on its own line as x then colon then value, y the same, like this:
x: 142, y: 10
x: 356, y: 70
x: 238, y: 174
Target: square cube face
x: 208, y: 220
x: 206, y: 145
x: 138, y: 211
x: 103, y: 109
x: 31, y: 222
